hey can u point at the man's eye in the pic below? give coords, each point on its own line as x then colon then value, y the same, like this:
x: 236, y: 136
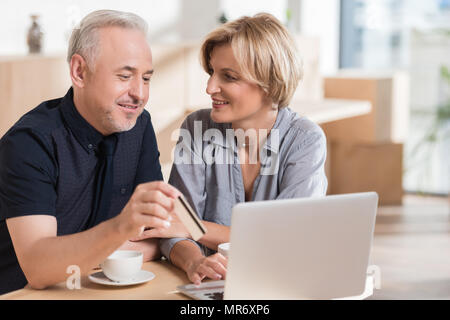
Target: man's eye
x: 124, y: 76
x: 147, y: 79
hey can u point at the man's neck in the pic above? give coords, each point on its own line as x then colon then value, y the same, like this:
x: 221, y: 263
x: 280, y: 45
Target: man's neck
x: 83, y: 109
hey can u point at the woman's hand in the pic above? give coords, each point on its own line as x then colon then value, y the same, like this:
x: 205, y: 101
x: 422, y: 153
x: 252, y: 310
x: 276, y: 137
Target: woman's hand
x: 213, y: 267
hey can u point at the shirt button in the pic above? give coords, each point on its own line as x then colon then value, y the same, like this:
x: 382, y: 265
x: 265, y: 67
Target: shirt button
x: 90, y: 146
x: 123, y: 190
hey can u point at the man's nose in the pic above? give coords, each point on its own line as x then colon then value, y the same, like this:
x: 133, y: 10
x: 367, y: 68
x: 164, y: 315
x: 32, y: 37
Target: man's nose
x: 212, y: 86
x: 138, y: 90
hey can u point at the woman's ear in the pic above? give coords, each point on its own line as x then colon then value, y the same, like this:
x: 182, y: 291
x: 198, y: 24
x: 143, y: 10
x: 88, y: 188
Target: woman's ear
x: 78, y: 70
x: 269, y: 101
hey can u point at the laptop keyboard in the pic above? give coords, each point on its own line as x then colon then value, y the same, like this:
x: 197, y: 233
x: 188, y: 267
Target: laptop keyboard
x: 214, y: 295
x: 209, y: 290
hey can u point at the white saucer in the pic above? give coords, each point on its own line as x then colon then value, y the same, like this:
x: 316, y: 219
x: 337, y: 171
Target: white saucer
x: 141, y: 277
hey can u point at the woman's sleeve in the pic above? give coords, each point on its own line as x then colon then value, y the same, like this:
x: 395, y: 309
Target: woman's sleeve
x: 188, y: 173
x: 304, y: 169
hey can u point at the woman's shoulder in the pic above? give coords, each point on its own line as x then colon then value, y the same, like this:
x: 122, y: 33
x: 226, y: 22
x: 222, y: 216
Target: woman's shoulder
x: 202, y: 114
x: 202, y: 117
x: 301, y: 125
x: 301, y: 135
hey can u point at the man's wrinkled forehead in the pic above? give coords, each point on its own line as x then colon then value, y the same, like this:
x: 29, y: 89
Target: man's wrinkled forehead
x: 133, y: 70
x: 124, y: 48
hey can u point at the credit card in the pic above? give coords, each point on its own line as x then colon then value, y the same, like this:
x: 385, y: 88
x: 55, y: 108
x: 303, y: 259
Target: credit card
x: 189, y: 218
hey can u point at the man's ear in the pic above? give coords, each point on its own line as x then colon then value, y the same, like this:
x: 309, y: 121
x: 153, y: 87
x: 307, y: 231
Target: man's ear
x: 78, y: 70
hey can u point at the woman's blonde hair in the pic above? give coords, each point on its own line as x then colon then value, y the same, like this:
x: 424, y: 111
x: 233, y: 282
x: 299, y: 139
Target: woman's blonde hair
x: 265, y: 52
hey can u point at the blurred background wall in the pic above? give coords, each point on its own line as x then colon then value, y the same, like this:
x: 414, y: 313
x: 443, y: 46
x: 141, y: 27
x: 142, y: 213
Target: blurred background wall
x: 376, y: 38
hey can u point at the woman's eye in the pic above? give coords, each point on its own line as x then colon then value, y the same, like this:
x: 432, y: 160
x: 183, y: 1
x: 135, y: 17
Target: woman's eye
x: 230, y: 78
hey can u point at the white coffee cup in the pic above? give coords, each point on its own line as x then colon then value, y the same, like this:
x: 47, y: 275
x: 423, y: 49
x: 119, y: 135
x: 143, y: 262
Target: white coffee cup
x: 224, y: 248
x: 122, y: 265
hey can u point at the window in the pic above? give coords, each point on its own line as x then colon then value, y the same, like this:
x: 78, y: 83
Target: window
x: 412, y: 35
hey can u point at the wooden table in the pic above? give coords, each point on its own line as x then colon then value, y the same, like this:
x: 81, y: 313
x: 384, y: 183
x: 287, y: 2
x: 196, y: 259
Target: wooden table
x: 162, y: 287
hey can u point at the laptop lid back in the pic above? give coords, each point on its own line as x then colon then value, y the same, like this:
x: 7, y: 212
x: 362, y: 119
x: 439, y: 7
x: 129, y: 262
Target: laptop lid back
x: 308, y: 248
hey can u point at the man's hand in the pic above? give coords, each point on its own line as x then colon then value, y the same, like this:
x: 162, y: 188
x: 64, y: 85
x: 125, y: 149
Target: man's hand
x: 148, y: 207
x: 175, y: 230
x: 213, y: 267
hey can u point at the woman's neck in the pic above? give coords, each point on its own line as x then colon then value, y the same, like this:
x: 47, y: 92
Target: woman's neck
x: 259, y: 126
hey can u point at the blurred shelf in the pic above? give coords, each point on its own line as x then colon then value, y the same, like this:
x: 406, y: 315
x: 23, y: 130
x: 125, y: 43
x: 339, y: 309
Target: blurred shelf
x: 328, y: 110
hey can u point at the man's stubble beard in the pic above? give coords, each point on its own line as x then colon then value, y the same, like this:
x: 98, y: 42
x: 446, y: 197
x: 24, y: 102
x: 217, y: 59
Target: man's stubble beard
x: 114, y: 126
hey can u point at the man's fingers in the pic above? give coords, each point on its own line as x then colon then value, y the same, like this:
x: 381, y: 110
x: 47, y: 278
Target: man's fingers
x: 154, y: 209
x: 165, y: 188
x: 150, y: 221
x: 155, y: 196
x: 147, y: 234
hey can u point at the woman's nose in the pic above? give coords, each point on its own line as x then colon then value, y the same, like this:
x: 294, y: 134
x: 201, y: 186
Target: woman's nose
x: 212, y: 86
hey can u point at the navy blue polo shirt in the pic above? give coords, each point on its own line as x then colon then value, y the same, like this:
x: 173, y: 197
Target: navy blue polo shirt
x: 48, y: 166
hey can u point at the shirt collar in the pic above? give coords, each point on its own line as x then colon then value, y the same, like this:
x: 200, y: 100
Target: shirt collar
x: 86, y: 135
x: 281, y: 125
x: 272, y: 143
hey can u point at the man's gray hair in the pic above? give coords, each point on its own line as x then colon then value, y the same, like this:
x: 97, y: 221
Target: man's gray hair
x: 84, y: 39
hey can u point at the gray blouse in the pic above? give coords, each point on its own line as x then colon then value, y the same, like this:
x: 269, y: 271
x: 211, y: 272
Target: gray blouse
x: 207, y: 170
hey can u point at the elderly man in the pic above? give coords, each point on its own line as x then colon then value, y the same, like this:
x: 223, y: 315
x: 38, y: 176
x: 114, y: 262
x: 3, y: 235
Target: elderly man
x: 80, y: 175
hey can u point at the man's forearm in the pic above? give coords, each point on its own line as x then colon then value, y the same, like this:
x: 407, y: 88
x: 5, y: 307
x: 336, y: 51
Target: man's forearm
x: 51, y: 256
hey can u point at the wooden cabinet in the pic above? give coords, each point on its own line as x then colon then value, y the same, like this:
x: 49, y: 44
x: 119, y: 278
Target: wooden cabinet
x: 389, y: 96
x: 27, y: 81
x: 366, y: 152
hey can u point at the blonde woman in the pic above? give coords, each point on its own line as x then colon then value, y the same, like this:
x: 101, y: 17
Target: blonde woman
x: 271, y: 152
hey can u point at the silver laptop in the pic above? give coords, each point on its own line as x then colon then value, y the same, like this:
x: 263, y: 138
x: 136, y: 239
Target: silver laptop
x: 308, y: 248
